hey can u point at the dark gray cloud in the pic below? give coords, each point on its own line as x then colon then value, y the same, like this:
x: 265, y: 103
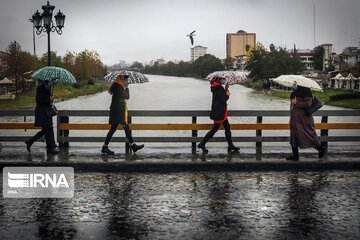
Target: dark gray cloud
x: 144, y: 30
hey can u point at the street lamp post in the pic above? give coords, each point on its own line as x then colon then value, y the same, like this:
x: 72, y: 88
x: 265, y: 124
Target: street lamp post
x: 43, y: 22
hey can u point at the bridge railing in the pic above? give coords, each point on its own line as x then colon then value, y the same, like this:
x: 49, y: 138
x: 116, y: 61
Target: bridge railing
x: 64, y: 126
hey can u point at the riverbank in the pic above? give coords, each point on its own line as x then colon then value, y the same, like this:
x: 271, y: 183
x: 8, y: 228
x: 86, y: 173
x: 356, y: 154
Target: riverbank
x: 330, y: 96
x: 62, y: 92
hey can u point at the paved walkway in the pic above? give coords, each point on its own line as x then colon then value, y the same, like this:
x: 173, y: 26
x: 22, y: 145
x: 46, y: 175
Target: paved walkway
x: 174, y: 159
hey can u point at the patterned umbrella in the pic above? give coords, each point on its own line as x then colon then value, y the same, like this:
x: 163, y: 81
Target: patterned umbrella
x: 134, y: 77
x: 232, y: 77
x: 54, y: 74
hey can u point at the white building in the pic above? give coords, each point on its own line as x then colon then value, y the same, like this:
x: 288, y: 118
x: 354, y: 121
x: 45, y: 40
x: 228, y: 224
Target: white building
x: 196, y: 52
x: 306, y: 56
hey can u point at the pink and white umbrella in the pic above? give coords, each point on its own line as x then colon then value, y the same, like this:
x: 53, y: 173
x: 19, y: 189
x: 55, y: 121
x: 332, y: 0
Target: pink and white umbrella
x: 232, y: 77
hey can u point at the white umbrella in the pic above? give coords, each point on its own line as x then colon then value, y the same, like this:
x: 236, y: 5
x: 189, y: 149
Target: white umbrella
x: 290, y: 80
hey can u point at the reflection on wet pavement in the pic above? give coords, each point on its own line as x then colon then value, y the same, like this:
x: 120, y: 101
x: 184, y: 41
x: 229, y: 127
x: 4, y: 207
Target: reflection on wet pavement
x: 196, y: 205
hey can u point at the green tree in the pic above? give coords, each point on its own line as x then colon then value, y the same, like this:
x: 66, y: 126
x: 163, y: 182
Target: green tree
x: 264, y: 65
x: 207, y: 64
x: 318, y: 58
x: 55, y: 60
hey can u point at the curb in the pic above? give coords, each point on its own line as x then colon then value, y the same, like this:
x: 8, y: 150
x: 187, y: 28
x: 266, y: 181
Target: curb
x: 194, y: 166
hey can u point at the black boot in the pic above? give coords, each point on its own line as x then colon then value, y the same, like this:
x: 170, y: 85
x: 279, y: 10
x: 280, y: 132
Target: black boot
x: 295, y: 156
x: 233, y: 148
x: 202, y: 147
x: 135, y: 147
x: 106, y: 150
x: 321, y: 151
x: 28, y: 145
x: 52, y: 151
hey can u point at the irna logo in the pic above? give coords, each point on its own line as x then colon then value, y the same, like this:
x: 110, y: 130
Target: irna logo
x: 16, y: 180
x: 38, y: 182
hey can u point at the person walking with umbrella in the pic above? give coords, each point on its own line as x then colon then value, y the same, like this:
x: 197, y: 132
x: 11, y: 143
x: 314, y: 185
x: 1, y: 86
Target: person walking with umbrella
x: 118, y: 112
x: 302, y: 127
x: 219, y: 113
x: 43, y: 117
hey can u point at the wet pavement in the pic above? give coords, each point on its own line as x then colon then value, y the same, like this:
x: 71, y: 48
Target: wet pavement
x: 171, y: 193
x: 175, y: 159
x: 193, y: 205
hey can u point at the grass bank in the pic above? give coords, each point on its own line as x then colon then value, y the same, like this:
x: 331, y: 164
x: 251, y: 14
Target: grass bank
x: 26, y: 100
x: 333, y: 97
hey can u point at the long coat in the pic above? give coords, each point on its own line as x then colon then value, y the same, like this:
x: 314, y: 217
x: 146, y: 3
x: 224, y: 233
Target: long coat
x: 42, y: 103
x: 302, y: 127
x: 218, y: 106
x: 118, y: 104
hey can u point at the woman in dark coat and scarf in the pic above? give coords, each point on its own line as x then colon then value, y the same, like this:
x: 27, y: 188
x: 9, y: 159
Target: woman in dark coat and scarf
x: 302, y: 127
x: 43, y: 104
x: 219, y: 113
x: 118, y: 113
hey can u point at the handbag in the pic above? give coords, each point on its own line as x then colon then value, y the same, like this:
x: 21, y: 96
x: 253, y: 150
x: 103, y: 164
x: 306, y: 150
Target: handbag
x: 315, y: 105
x: 51, y: 111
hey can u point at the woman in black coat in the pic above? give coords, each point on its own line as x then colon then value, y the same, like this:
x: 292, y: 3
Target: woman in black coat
x: 302, y: 127
x: 118, y: 113
x: 219, y: 114
x: 42, y: 119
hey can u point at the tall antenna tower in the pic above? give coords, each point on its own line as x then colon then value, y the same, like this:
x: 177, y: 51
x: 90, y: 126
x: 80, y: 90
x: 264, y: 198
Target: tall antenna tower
x: 314, y: 23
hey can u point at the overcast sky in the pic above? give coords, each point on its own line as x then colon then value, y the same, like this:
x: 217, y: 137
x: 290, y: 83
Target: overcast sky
x: 144, y: 30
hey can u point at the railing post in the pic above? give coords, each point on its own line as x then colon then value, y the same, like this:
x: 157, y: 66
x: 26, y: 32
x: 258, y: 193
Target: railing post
x: 259, y: 134
x: 62, y: 133
x: 194, y: 133
x: 324, y: 133
x: 127, y: 145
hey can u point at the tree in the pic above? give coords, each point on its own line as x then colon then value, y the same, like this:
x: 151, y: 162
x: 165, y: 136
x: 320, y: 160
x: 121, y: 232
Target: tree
x: 318, y: 58
x: 137, y: 65
x: 55, y: 60
x: 88, y: 65
x: 228, y: 63
x: 15, y: 62
x: 207, y: 64
x: 255, y: 62
x: 264, y: 65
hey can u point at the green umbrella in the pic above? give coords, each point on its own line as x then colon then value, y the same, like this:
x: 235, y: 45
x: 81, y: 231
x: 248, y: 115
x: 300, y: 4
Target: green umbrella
x: 54, y: 74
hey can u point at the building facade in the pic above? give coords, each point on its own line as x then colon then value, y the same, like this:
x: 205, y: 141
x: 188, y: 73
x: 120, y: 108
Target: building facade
x: 236, y: 43
x: 328, y: 58
x: 196, y: 52
x: 306, y: 56
x: 350, y: 56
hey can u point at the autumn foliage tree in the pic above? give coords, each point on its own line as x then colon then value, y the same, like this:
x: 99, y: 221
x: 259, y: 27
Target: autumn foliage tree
x: 14, y: 63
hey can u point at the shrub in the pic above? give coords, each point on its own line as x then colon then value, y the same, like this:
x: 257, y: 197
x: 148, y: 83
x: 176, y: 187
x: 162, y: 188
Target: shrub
x: 344, y: 96
x: 91, y: 82
x: 77, y: 85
